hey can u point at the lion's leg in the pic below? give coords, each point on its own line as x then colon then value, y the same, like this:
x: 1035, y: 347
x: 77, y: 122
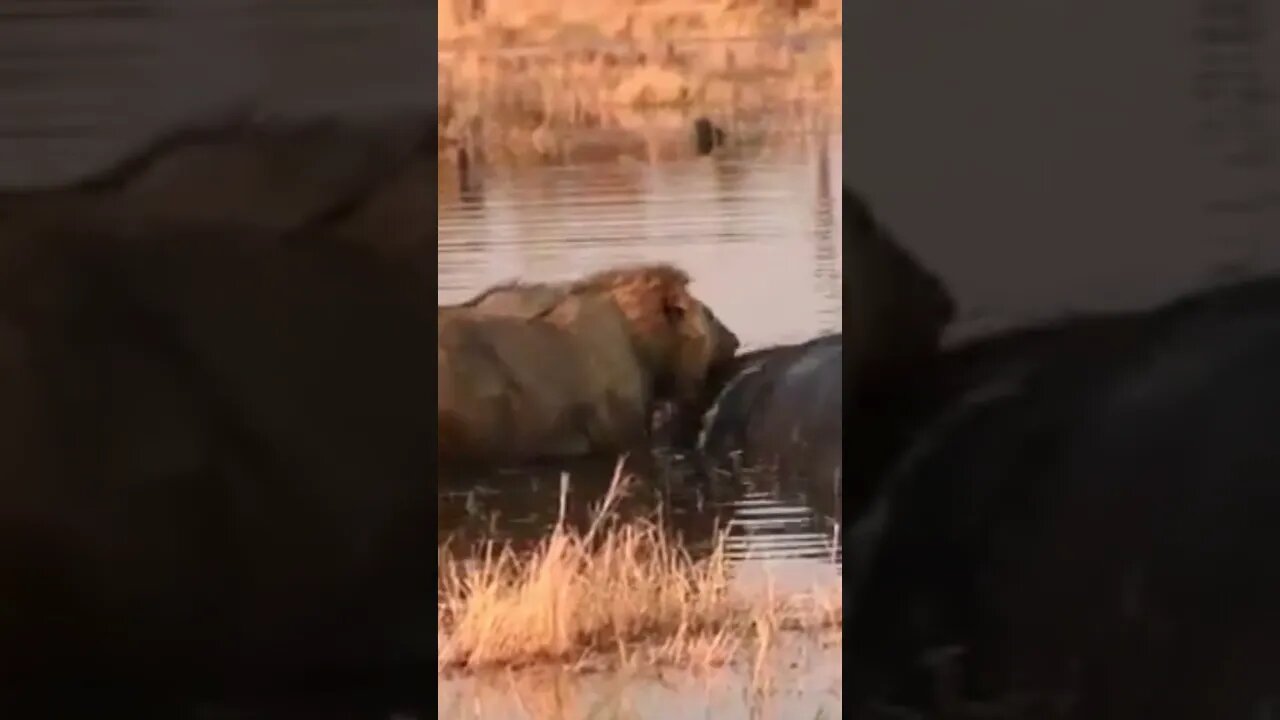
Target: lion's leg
x: 570, y: 435
x: 619, y: 424
x: 568, y: 445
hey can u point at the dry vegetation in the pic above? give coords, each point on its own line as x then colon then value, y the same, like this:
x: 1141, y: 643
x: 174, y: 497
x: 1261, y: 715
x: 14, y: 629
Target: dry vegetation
x: 619, y: 594
x: 552, y: 79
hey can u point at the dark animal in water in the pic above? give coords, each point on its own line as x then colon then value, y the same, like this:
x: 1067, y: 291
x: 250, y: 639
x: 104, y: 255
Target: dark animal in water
x: 782, y: 406
x: 782, y: 409
x: 215, y: 454
x: 1078, y: 521
x: 706, y: 136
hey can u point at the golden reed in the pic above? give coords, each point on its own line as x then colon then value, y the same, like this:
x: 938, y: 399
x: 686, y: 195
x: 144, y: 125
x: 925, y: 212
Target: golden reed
x: 621, y: 593
x: 527, y: 78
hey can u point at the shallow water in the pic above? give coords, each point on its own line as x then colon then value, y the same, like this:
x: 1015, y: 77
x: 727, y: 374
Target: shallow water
x: 802, y: 681
x: 757, y: 229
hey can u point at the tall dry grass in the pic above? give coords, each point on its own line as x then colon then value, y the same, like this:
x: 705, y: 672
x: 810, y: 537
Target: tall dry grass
x: 620, y: 593
x: 524, y: 81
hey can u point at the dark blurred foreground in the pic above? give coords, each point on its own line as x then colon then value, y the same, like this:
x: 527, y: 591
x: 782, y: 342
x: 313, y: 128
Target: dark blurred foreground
x: 1063, y: 520
x: 215, y: 425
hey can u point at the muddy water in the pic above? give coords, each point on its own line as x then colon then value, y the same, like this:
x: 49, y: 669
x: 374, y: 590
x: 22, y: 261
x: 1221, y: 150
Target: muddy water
x: 758, y: 230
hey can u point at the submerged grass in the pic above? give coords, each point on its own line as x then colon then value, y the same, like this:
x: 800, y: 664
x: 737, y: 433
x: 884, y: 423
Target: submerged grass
x: 620, y: 593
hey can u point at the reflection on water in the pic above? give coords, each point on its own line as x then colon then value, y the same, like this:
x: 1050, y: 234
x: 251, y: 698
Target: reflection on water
x: 802, y: 681
x: 780, y: 542
x: 759, y: 234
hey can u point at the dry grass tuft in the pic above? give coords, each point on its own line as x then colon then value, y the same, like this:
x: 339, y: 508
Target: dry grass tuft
x: 621, y: 593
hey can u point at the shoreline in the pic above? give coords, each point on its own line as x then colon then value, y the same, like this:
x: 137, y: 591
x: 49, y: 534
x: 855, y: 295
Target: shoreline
x: 528, y: 85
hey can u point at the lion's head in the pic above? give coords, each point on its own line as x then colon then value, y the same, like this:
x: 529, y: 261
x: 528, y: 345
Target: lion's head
x: 677, y: 337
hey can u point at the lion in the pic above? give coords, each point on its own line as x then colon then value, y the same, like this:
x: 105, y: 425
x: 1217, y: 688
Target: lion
x: 199, y: 417
x: 395, y: 213
x: 551, y: 371
x: 517, y: 299
x: 356, y: 181
x: 270, y: 172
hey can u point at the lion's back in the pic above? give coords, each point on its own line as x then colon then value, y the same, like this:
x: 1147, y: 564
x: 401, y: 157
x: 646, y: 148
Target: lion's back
x: 504, y: 384
x: 568, y: 383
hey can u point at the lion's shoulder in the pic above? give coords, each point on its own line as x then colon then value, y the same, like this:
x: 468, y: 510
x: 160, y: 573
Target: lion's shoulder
x: 516, y: 299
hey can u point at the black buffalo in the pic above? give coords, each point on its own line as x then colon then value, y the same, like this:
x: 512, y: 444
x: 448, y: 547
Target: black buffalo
x: 782, y: 407
x: 1079, y: 521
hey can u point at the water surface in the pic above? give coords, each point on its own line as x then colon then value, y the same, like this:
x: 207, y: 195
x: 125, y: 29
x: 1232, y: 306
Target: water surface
x: 759, y: 235
x: 758, y: 231
x: 801, y: 681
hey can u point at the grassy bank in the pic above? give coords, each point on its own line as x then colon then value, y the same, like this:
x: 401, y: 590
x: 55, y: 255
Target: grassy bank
x: 615, y: 595
x: 531, y: 78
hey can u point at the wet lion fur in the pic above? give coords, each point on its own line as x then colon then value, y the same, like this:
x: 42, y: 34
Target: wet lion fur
x: 530, y: 371
x: 215, y: 459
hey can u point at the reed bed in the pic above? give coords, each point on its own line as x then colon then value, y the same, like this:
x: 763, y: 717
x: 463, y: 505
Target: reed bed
x: 621, y: 593
x: 529, y: 79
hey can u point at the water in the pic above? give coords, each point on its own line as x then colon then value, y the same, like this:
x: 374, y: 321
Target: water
x: 759, y: 235
x: 758, y: 231
x: 804, y: 683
